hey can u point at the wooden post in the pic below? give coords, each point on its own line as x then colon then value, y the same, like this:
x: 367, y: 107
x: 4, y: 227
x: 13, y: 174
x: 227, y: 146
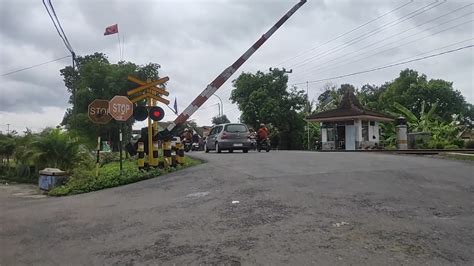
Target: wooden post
x: 98, y: 156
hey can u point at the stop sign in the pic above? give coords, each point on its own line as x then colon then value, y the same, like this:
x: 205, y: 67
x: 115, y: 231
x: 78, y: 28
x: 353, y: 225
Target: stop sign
x: 120, y: 108
x: 98, y: 111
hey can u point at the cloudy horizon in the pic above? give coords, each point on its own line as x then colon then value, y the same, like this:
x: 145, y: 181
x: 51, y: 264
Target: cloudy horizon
x: 194, y: 41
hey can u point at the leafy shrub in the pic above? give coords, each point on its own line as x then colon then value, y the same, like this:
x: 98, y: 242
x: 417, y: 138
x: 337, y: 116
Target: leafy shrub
x: 421, y: 143
x: 108, y: 157
x: 451, y: 147
x: 84, y: 179
x: 23, y: 170
x: 436, y: 144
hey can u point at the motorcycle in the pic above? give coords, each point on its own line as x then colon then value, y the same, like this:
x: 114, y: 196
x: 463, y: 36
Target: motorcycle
x: 195, y: 146
x: 187, y: 145
x: 264, y: 145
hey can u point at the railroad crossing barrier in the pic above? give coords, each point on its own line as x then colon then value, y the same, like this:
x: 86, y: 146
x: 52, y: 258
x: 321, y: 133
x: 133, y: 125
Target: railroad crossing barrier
x: 167, y: 159
x: 154, y: 160
x: 180, y: 153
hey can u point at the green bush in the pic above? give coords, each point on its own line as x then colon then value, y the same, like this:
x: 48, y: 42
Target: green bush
x: 451, y: 147
x: 438, y: 145
x: 108, y: 157
x: 84, y: 179
x: 23, y: 170
x: 458, y: 142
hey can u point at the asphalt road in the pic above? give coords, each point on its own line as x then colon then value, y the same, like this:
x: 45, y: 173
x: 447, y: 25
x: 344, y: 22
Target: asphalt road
x: 294, y: 208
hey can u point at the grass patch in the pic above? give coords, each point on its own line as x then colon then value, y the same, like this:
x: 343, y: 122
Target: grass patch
x: 458, y: 157
x: 84, y: 180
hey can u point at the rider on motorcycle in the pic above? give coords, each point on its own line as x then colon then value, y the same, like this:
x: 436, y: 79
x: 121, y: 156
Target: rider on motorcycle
x: 262, y: 133
x: 186, y: 139
x: 186, y: 136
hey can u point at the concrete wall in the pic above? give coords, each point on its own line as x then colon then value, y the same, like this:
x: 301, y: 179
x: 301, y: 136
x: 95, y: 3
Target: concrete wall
x: 359, y: 142
x: 330, y: 145
x: 374, y: 132
x: 358, y: 129
x: 358, y: 126
x: 324, y: 134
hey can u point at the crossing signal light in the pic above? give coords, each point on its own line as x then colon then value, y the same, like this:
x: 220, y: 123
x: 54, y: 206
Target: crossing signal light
x: 156, y: 113
x: 140, y: 113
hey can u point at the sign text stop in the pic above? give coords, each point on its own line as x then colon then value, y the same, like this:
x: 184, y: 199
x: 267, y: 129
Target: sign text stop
x: 120, y: 108
x: 98, y: 111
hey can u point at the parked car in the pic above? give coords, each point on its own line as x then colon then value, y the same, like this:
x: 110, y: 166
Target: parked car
x: 231, y: 136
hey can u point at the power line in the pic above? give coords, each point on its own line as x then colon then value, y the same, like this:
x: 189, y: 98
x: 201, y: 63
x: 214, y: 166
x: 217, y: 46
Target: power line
x: 62, y: 35
x: 33, y: 66
x: 369, y: 34
x: 345, y: 33
x: 440, y: 48
x: 446, y: 46
x: 60, y: 27
x: 387, y: 66
x: 344, y: 56
x: 57, y: 25
x: 337, y: 65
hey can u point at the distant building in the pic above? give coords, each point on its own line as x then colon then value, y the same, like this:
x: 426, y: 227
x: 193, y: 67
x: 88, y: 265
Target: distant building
x: 350, y: 126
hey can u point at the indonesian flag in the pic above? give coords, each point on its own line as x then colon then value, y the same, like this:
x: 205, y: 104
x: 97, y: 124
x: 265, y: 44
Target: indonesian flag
x: 175, y: 106
x: 111, y: 29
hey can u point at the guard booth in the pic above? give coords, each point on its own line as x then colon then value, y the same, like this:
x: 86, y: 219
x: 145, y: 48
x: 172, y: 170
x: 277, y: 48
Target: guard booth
x: 350, y: 126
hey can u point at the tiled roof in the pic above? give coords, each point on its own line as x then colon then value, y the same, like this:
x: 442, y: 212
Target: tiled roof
x: 349, y: 106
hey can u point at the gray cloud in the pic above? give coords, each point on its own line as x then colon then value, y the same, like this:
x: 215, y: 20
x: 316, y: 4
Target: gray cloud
x: 195, y: 40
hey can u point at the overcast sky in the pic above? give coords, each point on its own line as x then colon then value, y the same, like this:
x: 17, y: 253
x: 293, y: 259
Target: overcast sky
x: 195, y: 40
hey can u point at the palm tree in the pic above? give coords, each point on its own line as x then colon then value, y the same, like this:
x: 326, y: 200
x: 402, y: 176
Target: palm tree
x: 7, y: 148
x: 56, y: 148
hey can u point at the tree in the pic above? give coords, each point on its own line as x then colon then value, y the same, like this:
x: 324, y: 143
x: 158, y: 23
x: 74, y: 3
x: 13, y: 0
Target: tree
x: 216, y: 120
x: 332, y: 96
x: 442, y: 133
x: 54, y: 147
x: 96, y: 78
x: 411, y: 89
x: 7, y: 148
x: 265, y: 98
x: 314, y: 135
x: 369, y: 96
x: 420, y: 123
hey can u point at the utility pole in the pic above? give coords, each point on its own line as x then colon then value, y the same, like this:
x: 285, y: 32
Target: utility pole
x: 307, y: 110
x: 8, y: 129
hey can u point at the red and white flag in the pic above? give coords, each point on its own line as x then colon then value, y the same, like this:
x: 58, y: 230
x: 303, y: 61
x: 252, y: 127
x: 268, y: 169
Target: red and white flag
x: 111, y: 29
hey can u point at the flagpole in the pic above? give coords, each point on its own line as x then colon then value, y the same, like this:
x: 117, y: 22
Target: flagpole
x: 123, y: 47
x: 120, y: 49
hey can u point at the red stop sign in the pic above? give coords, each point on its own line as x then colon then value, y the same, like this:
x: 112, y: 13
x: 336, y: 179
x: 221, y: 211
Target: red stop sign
x: 120, y: 108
